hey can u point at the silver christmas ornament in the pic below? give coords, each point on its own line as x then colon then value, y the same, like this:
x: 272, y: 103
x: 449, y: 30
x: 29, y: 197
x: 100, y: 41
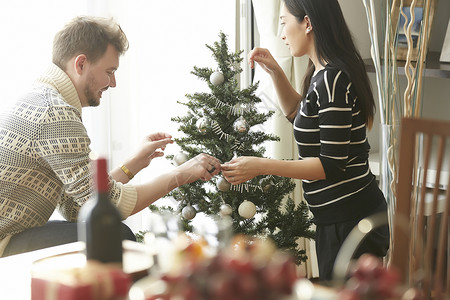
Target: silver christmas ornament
x: 180, y: 158
x: 225, y: 210
x: 202, y: 125
x: 266, y: 184
x: 223, y: 185
x: 188, y: 212
x: 267, y: 187
x: 247, y: 209
x: 240, y: 125
x: 216, y: 78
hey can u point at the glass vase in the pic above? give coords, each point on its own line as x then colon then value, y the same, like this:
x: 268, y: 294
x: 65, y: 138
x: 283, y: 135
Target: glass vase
x: 389, y: 145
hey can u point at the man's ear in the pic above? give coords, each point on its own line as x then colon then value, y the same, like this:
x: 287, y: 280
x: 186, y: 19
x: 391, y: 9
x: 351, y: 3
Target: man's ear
x: 80, y: 63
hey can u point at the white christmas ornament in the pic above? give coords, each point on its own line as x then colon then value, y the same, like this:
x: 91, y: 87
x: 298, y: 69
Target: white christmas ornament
x: 247, y: 209
x: 225, y: 210
x: 241, y: 125
x: 223, y: 185
x: 180, y: 158
x: 188, y: 212
x: 216, y: 78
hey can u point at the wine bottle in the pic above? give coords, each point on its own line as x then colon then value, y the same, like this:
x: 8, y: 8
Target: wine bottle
x: 99, y: 221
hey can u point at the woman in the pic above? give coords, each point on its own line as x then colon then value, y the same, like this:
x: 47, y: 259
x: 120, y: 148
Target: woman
x: 330, y: 118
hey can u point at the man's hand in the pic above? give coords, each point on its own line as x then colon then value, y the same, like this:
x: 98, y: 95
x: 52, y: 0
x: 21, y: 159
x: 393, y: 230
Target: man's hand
x: 153, y: 146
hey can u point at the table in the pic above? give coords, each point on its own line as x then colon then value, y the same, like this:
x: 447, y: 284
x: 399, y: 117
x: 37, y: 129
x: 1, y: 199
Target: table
x: 15, y: 270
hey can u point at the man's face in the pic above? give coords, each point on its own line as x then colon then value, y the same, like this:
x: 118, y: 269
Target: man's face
x: 100, y: 76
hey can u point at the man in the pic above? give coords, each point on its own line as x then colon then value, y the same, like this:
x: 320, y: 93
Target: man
x: 44, y: 146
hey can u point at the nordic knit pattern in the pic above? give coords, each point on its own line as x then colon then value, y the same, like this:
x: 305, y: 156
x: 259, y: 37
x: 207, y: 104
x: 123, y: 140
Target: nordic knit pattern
x: 44, y: 159
x: 329, y: 125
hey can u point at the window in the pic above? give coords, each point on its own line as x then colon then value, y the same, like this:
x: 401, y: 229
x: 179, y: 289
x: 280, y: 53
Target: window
x: 167, y: 39
x: 27, y: 34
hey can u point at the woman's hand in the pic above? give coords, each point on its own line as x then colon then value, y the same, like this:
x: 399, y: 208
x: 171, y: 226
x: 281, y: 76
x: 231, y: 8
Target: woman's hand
x: 288, y: 98
x: 263, y: 57
x: 242, y: 169
x: 203, y: 167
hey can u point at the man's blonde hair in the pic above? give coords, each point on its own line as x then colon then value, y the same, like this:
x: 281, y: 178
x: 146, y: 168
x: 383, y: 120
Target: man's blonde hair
x: 89, y: 36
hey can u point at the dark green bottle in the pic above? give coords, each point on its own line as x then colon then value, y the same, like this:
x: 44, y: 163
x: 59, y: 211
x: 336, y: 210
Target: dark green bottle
x: 99, y: 221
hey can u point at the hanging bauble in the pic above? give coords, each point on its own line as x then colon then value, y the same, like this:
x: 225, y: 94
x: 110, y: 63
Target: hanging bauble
x: 240, y: 125
x: 188, y: 212
x: 202, y: 125
x: 247, y: 209
x: 180, y: 158
x: 216, y: 78
x: 266, y: 184
x: 223, y: 185
x: 225, y: 210
x: 267, y: 187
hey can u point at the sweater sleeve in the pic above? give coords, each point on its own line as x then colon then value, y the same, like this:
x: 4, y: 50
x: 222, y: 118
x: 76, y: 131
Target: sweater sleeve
x: 123, y: 196
x: 335, y: 123
x: 64, y: 147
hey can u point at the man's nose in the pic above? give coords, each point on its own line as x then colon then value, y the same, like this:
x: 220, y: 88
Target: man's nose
x: 112, y: 81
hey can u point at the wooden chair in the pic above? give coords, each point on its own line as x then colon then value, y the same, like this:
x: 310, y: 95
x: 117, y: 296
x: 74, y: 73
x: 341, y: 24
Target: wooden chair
x: 421, y: 243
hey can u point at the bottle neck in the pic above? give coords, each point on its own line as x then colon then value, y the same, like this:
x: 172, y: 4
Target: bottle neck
x: 101, y: 177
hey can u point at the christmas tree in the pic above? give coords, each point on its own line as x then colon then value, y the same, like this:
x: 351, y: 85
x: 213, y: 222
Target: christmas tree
x: 222, y: 123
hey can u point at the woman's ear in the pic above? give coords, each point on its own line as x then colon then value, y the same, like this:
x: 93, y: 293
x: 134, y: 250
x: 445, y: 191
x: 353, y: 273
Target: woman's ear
x: 308, y: 24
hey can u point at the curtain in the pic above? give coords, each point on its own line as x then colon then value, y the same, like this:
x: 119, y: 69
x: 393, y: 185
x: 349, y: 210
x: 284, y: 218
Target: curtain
x: 267, y: 15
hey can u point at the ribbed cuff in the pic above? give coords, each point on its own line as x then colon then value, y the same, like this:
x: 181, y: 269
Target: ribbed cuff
x: 127, y: 200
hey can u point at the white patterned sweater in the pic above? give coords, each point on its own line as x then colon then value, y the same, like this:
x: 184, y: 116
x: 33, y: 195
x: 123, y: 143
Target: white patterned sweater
x: 44, y: 159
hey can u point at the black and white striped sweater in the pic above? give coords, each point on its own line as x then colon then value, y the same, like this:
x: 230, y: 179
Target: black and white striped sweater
x: 329, y: 125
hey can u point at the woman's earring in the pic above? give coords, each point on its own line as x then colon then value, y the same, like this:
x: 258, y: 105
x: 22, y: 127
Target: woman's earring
x: 308, y: 29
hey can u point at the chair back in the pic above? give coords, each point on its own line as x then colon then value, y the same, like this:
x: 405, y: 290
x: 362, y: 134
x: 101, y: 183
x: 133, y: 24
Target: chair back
x: 421, y: 244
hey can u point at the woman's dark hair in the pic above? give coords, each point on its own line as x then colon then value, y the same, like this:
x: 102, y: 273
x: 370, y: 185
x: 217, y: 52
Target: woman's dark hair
x: 334, y: 46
